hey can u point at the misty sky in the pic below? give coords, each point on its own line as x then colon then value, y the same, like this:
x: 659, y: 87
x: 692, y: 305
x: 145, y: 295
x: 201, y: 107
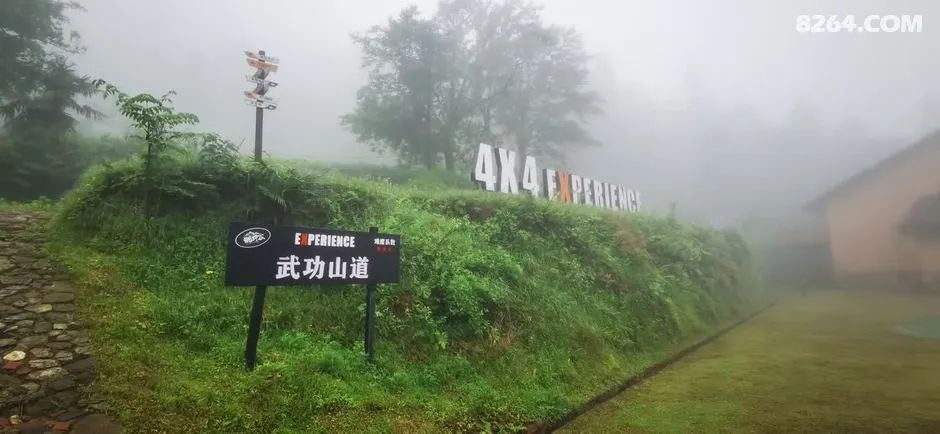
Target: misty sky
x: 718, y: 106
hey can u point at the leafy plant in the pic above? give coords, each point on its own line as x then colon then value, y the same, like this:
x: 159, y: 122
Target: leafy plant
x: 40, y: 99
x: 156, y: 119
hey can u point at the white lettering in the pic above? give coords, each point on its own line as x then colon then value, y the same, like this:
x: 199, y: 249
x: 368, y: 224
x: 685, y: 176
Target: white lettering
x: 633, y: 200
x: 548, y: 178
x: 588, y: 191
x: 496, y: 169
x: 337, y: 269
x: 890, y: 23
x: 484, y: 172
x: 912, y: 23
x: 609, y: 195
x: 360, y: 268
x: 598, y: 194
x: 577, y: 189
x: 530, y: 182
x: 287, y: 267
x: 869, y: 27
x: 506, y: 162
x: 314, y: 268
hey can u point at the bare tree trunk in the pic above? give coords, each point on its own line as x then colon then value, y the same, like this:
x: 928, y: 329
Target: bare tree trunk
x: 522, y: 138
x: 148, y: 179
x: 429, y: 156
x: 487, y: 122
x: 523, y: 148
x: 449, y: 155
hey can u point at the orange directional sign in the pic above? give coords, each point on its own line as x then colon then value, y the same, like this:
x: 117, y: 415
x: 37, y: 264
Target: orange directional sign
x: 260, y: 64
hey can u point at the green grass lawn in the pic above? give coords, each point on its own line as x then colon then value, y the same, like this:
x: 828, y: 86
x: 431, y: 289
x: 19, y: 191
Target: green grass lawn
x: 827, y: 362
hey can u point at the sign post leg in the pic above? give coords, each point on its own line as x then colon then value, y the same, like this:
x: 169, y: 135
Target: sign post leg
x: 259, y: 127
x: 254, y: 328
x: 370, y: 313
x: 370, y: 320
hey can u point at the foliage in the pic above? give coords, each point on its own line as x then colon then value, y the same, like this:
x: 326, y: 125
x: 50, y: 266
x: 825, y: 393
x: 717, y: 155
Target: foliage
x: 157, y: 120
x: 95, y: 150
x: 475, y: 70
x: 40, y: 204
x: 435, y: 179
x: 405, y: 105
x: 31, y: 33
x: 39, y: 98
x: 509, y: 311
x: 30, y: 174
x: 543, y: 110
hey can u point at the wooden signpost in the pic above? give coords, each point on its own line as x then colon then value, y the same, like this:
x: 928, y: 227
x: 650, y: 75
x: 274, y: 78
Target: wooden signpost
x: 264, y: 66
x: 260, y: 255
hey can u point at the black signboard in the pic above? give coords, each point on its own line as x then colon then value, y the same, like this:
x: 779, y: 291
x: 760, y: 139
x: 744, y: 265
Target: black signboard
x: 285, y: 256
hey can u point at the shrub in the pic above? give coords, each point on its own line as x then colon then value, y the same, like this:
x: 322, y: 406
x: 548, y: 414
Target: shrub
x: 509, y: 310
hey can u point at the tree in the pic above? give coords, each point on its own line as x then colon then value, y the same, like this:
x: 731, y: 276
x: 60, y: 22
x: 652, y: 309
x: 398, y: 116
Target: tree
x: 417, y: 95
x: 497, y: 26
x: 31, y: 31
x: 394, y: 109
x: 157, y: 119
x: 38, y: 85
x: 42, y: 158
x: 544, y: 107
x: 477, y: 70
x: 48, y: 108
x: 38, y: 98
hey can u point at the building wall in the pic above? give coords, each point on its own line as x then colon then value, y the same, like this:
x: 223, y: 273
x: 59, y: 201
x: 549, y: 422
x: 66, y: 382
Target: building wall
x: 929, y: 262
x: 863, y: 222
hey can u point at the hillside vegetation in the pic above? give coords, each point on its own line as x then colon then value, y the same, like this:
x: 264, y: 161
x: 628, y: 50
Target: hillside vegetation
x: 510, y: 310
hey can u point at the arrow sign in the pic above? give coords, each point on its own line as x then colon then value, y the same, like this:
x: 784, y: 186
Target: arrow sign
x: 262, y: 57
x: 262, y: 65
x: 270, y: 105
x: 257, y: 96
x: 253, y: 79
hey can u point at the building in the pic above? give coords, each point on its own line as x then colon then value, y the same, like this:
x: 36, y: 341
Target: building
x: 883, y: 224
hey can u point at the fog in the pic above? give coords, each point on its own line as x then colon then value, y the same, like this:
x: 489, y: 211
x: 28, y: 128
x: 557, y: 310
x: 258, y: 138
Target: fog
x: 720, y: 107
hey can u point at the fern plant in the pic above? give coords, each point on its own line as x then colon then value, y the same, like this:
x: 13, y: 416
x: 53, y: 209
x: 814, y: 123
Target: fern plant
x: 158, y: 121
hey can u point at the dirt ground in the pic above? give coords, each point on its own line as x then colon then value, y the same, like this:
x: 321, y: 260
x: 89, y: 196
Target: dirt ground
x: 832, y: 361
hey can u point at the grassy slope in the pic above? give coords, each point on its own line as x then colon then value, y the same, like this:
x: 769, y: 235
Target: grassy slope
x: 832, y: 362
x: 510, y: 311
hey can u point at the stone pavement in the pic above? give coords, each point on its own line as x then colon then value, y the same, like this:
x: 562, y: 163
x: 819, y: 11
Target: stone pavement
x: 47, y: 367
